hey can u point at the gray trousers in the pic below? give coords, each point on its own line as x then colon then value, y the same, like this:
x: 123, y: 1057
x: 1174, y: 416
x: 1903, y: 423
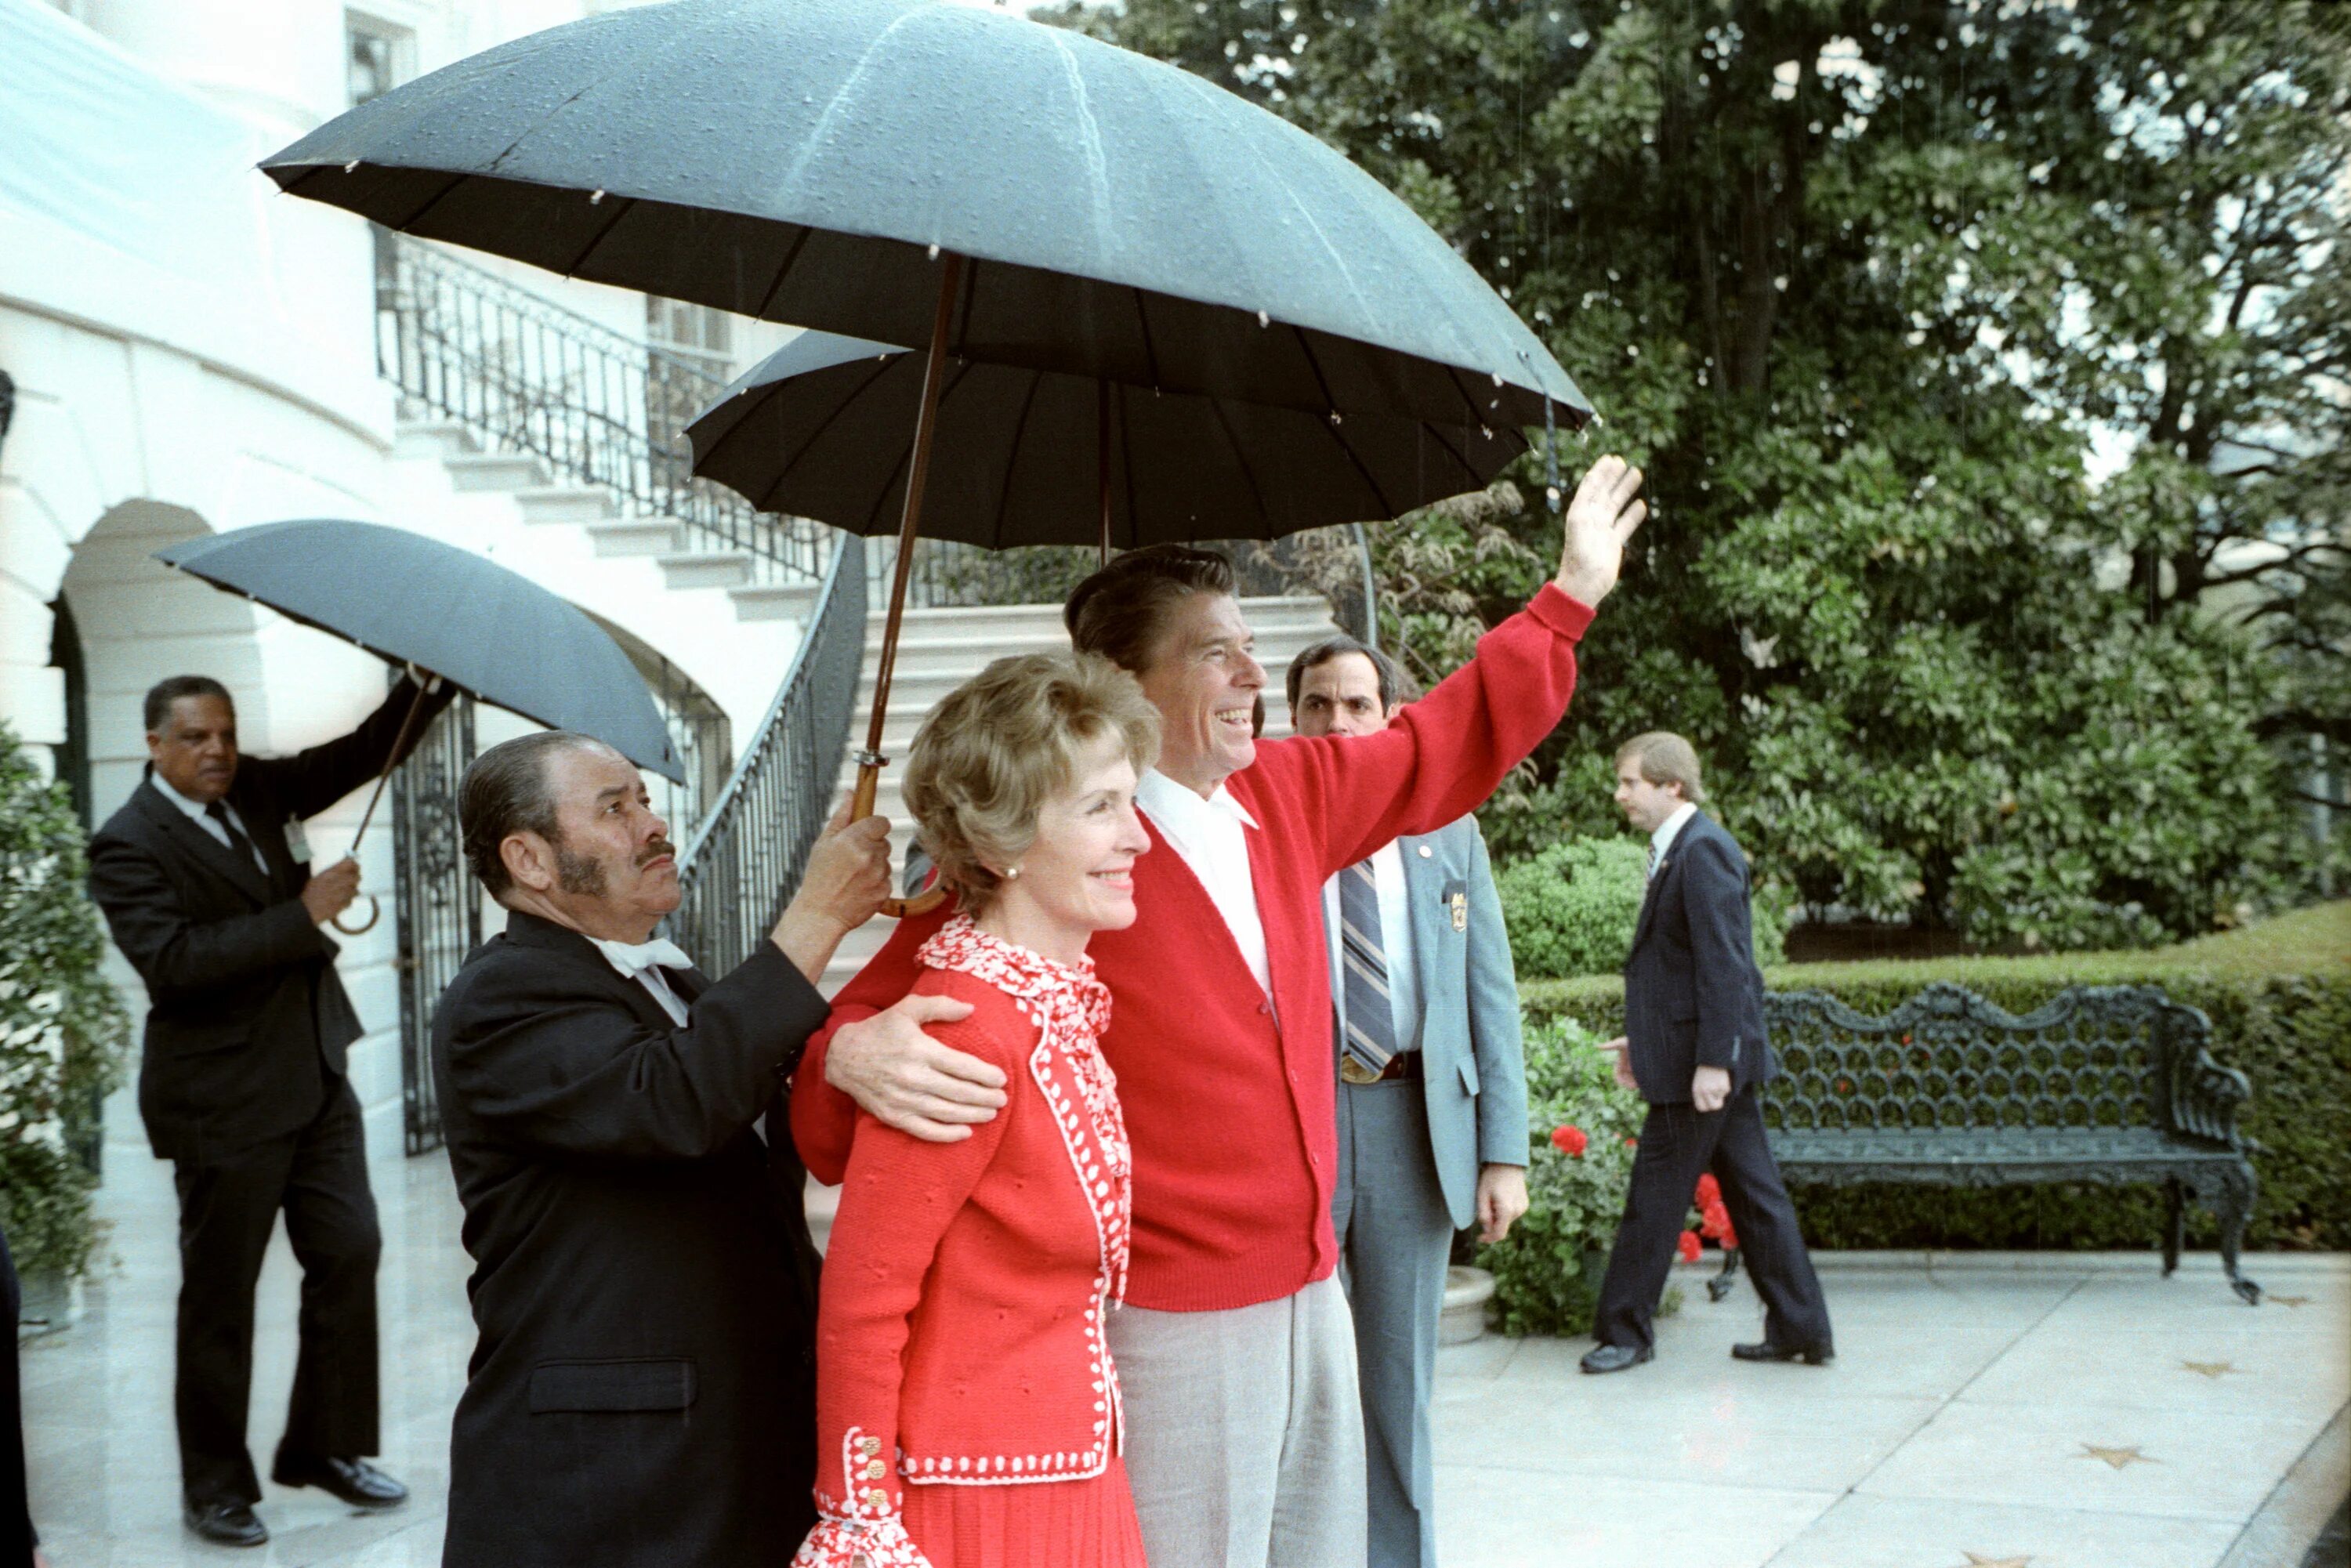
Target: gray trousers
x: 1245, y: 1438
x: 1396, y: 1237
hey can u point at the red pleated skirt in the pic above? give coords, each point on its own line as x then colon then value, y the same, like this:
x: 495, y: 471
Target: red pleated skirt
x: 1041, y: 1524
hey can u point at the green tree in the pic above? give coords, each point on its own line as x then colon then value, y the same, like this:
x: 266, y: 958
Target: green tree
x: 62, y: 1028
x: 1969, y: 349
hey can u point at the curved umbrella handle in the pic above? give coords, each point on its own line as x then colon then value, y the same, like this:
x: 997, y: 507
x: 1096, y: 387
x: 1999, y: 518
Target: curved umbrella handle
x: 860, y: 806
x: 375, y: 912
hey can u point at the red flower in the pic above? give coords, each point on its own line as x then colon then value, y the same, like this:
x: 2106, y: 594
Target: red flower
x: 1730, y: 1238
x: 1569, y: 1141
x: 1715, y: 1222
x: 1688, y: 1247
x: 1709, y: 1191
x: 1631, y: 1142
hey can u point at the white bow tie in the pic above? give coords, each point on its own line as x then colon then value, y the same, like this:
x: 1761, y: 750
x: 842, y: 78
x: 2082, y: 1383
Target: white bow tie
x: 634, y: 959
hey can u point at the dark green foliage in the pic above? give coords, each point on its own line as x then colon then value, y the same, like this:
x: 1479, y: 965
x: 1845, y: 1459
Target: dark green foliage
x: 1571, y: 909
x: 2279, y: 995
x: 62, y: 1028
x: 1984, y: 371
x: 1574, y: 1200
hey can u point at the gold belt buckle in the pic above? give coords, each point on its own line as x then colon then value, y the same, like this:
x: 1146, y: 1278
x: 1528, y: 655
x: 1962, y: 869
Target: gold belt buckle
x: 1353, y: 1071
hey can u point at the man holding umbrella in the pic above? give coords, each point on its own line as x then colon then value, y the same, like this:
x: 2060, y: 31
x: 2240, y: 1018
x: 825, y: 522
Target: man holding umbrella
x: 205, y: 876
x: 1235, y: 1348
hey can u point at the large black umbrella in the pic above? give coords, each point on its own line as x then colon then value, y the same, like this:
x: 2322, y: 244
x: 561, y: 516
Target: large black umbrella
x: 823, y: 428
x: 928, y: 172
x: 816, y: 162
x: 417, y: 601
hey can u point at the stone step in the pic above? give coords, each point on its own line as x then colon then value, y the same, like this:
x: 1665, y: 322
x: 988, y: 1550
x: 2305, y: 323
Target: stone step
x: 773, y: 600
x: 496, y: 471
x: 433, y: 438
x: 575, y: 503
x: 634, y: 537
x: 706, y: 569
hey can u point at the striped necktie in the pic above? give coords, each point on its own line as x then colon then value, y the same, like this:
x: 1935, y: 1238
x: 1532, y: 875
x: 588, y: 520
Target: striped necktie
x: 1368, y: 1040
x: 1651, y: 874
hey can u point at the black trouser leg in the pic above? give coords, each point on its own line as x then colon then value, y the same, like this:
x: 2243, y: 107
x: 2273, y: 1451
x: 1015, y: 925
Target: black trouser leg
x: 1676, y: 1144
x: 228, y: 1209
x: 16, y: 1519
x: 1795, y: 1316
x: 331, y: 1221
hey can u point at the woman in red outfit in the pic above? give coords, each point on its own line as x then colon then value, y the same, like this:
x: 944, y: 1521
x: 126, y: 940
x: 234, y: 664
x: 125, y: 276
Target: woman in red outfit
x: 967, y: 1411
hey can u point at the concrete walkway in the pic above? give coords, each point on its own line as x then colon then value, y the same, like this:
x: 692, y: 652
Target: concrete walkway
x: 2050, y: 1411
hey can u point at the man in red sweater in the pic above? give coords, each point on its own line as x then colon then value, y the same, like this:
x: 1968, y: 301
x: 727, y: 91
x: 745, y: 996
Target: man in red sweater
x: 1235, y: 1347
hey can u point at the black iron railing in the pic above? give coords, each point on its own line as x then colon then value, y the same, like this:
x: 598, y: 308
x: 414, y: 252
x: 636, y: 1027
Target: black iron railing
x: 750, y: 850
x: 598, y: 408
x: 438, y: 906
x: 1335, y: 562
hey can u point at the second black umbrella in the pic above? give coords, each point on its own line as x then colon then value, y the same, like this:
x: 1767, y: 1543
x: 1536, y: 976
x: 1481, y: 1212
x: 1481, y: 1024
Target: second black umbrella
x: 823, y: 428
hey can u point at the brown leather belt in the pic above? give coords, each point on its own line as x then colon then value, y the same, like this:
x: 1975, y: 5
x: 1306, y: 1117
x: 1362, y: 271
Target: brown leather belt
x: 1403, y: 1064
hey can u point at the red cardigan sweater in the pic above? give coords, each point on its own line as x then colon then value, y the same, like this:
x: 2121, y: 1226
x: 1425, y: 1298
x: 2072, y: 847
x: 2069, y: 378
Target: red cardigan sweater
x: 1228, y: 1097
x: 959, y: 1335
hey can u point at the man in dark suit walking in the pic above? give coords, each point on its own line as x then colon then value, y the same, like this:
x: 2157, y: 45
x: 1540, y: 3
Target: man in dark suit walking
x: 642, y: 1394
x: 205, y: 876
x: 1696, y: 1049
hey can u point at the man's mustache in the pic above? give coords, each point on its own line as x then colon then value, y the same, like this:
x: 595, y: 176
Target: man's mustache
x: 654, y: 850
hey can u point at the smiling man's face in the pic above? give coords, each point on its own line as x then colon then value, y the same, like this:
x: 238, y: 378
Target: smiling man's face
x: 1204, y: 681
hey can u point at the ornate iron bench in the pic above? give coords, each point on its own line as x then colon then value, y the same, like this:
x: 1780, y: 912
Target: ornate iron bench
x: 2106, y: 1083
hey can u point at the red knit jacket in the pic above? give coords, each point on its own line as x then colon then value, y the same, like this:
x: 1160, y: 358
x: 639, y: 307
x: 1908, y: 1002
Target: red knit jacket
x: 1228, y: 1098
x: 960, y: 1330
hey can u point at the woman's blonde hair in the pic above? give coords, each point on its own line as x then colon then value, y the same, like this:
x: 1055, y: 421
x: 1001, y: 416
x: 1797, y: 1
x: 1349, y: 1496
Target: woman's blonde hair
x: 1002, y: 744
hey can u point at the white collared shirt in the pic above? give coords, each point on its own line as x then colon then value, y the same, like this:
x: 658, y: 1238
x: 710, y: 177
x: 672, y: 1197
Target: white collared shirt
x: 1211, y: 836
x: 1662, y: 841
x: 205, y: 820
x: 621, y: 955
x: 1395, y: 945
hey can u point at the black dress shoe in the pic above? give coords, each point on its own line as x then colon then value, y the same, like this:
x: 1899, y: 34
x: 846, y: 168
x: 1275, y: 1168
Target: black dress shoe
x: 355, y: 1481
x: 1617, y: 1357
x: 224, y: 1523
x: 1810, y: 1355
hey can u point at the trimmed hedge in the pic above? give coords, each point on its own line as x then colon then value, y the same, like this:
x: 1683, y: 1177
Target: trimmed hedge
x: 2279, y: 995
x: 1571, y: 909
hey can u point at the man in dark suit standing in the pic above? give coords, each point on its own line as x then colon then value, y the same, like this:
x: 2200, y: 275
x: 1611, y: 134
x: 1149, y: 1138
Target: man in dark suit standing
x: 1696, y: 1049
x: 642, y: 1394
x: 205, y: 877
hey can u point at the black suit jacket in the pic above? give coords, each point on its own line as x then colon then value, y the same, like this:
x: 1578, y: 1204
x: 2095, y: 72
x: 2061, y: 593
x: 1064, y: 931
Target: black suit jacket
x: 1693, y: 995
x: 246, y: 1022
x: 642, y: 1390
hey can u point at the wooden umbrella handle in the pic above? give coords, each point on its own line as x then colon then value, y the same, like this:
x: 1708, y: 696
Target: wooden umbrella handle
x: 860, y: 806
x: 375, y: 912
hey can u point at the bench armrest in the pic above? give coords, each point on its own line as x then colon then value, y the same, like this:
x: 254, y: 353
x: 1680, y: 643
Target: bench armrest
x: 2205, y: 1096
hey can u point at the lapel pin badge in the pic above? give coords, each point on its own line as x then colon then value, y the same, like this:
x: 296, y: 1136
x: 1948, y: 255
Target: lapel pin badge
x: 1460, y: 902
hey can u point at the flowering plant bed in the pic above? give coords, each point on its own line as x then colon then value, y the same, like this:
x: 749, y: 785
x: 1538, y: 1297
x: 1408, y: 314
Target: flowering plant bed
x: 1585, y: 1126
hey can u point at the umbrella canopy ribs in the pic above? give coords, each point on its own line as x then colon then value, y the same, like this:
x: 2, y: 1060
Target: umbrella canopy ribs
x: 1001, y: 193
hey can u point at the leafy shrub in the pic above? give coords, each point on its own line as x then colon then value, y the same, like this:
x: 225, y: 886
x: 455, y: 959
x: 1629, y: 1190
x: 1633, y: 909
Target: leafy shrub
x: 2279, y: 995
x: 62, y: 1028
x: 1571, y: 909
x: 1582, y: 1159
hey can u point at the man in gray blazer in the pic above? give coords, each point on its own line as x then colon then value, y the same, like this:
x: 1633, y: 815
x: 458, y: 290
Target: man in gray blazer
x: 1432, y: 1097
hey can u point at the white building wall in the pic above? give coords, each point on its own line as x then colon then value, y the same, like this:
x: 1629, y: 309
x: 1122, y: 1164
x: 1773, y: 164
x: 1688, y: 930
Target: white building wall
x: 207, y: 363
